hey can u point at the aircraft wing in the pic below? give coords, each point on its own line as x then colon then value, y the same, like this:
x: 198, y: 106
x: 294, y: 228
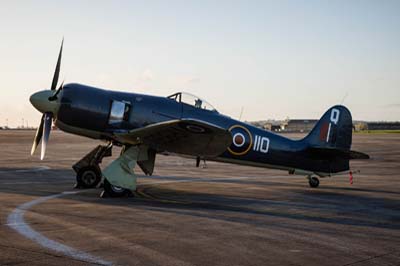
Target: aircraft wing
x: 186, y: 136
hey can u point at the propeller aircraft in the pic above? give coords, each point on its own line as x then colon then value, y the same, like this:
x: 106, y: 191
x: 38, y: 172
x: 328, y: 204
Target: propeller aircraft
x: 145, y: 125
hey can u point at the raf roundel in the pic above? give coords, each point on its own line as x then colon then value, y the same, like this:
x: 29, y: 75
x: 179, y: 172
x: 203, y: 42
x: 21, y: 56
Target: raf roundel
x: 241, y: 140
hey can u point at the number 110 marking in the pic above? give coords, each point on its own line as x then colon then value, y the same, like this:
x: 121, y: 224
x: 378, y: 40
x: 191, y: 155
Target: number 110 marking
x: 261, y: 144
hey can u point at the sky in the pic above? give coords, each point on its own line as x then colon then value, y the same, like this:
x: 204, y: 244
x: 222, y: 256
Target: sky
x: 274, y: 59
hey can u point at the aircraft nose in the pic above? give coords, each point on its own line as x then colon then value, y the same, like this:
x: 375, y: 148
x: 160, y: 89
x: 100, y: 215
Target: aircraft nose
x: 40, y: 100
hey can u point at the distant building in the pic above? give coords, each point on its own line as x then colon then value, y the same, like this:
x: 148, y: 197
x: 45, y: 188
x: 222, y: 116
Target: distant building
x: 299, y: 125
x: 276, y: 128
x: 383, y: 125
x: 360, y: 126
x: 306, y: 125
x: 273, y: 126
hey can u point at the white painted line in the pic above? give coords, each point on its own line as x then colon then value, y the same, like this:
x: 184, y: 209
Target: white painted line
x: 17, y: 222
x: 329, y: 132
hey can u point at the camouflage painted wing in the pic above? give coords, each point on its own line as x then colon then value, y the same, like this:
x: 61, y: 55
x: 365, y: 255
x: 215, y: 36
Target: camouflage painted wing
x: 186, y: 136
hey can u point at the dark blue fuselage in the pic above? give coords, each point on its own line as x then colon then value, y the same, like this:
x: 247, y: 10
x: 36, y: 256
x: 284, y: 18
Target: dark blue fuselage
x: 86, y: 111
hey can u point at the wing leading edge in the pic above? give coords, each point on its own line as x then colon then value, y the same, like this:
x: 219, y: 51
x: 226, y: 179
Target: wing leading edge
x: 186, y: 136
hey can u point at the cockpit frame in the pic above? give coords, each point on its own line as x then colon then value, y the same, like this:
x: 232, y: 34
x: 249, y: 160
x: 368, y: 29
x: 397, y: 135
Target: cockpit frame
x: 188, y: 98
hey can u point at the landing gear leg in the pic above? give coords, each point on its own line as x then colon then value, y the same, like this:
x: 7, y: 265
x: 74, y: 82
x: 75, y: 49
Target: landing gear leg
x: 198, y: 159
x: 119, y: 175
x: 313, y: 181
x: 88, y: 172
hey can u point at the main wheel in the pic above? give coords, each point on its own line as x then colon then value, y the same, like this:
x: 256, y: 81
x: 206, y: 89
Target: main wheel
x: 88, y: 177
x: 313, y: 181
x: 114, y: 191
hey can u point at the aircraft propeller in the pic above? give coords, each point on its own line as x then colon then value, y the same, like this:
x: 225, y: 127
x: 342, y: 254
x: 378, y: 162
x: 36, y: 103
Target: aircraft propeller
x: 47, y: 117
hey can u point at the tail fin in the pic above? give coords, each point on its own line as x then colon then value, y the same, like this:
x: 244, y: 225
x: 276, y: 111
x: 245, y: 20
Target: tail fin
x: 333, y: 130
x: 331, y: 139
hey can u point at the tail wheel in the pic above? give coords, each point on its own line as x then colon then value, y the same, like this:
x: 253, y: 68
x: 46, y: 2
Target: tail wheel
x: 88, y: 177
x: 313, y: 181
x: 114, y: 191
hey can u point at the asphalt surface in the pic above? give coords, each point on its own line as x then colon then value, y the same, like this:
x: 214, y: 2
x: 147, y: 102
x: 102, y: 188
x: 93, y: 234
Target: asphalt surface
x: 220, y: 215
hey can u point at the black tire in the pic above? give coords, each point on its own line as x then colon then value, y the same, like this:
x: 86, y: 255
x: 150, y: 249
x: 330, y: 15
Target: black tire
x: 88, y: 177
x: 314, y: 182
x: 114, y: 191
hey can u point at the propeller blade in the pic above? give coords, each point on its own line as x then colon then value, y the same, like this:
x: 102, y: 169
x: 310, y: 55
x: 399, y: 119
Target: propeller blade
x: 54, y: 97
x: 57, y: 71
x: 38, y: 136
x: 47, y: 120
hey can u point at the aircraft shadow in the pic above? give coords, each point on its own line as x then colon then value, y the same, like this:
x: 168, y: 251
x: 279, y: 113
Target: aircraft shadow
x: 328, y: 205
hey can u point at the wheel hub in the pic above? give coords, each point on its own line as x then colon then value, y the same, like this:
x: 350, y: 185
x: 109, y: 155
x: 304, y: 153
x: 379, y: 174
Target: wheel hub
x: 117, y: 189
x: 89, y: 177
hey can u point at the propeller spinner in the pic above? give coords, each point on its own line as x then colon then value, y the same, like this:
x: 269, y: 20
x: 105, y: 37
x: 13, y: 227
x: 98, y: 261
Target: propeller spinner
x: 46, y: 102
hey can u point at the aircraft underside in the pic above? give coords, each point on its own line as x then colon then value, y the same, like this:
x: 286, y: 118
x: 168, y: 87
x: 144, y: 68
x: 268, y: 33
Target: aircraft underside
x: 119, y: 177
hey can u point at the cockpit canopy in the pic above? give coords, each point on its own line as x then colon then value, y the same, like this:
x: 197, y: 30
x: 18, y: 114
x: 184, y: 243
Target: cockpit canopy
x: 190, y: 99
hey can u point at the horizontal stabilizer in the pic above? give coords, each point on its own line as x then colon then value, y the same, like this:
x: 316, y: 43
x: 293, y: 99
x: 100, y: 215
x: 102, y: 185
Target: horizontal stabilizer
x: 330, y: 153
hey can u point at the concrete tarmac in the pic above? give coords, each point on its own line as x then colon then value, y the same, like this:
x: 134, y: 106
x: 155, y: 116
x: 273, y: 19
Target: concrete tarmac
x: 220, y: 215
